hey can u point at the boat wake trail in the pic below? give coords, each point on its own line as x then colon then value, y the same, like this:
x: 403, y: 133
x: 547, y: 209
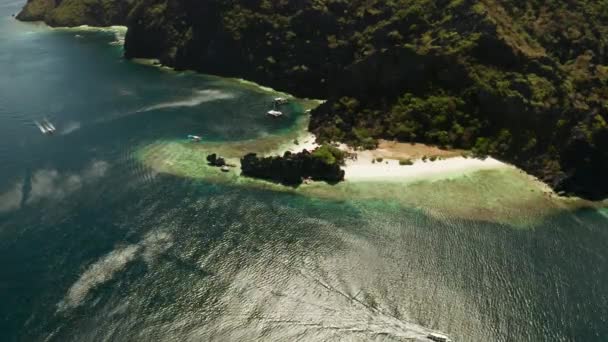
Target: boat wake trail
x: 70, y: 128
x: 200, y: 97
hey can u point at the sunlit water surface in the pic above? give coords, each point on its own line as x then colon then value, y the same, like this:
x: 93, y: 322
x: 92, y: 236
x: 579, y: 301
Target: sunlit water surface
x: 96, y: 246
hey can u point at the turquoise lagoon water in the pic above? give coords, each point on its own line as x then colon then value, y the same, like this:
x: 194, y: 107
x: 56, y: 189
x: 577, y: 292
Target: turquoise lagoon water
x: 95, y: 246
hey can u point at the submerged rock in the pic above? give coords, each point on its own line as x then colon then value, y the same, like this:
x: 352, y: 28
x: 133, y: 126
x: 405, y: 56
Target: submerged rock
x: 215, y: 160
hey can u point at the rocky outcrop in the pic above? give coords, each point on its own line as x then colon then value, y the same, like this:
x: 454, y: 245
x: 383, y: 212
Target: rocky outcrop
x: 291, y: 169
x: 215, y: 160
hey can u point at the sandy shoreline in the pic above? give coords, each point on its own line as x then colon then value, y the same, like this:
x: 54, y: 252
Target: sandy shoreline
x: 366, y: 166
x: 389, y: 170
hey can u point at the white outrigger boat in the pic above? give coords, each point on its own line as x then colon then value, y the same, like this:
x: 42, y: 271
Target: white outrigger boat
x: 280, y: 101
x: 50, y: 126
x: 275, y: 113
x: 438, y: 337
x: 46, y: 127
x: 195, y: 138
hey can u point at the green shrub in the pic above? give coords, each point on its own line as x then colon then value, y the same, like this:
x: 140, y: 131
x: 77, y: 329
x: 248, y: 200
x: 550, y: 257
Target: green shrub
x: 329, y: 154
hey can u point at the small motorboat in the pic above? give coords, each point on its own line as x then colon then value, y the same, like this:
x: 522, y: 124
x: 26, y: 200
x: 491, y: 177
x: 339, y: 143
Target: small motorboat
x: 280, y: 100
x: 275, y: 113
x: 438, y: 337
x: 225, y: 168
x: 50, y: 126
x: 46, y: 127
x: 50, y: 129
x: 194, y: 138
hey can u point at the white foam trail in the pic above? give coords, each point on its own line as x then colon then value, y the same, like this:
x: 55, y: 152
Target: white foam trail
x: 70, y: 127
x: 98, y: 273
x: 11, y: 200
x: 118, y: 30
x: 200, y: 97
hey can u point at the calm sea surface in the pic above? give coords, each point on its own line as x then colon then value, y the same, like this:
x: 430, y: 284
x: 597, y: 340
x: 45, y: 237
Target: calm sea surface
x: 96, y: 247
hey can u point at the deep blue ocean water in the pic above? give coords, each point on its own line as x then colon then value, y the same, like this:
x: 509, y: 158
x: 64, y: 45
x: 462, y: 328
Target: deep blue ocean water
x: 94, y: 246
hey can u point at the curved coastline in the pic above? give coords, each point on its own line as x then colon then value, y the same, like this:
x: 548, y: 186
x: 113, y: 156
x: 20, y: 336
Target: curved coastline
x: 380, y: 216
x: 453, y: 186
x: 418, y: 184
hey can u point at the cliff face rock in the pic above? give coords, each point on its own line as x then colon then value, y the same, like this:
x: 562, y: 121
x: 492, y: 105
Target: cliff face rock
x: 77, y: 12
x: 526, y: 82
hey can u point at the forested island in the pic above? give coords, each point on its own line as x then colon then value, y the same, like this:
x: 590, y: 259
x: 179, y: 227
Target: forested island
x: 524, y: 81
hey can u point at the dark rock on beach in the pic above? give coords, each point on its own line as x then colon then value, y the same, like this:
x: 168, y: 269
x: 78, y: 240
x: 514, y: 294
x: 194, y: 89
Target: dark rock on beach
x: 291, y: 169
x: 215, y: 160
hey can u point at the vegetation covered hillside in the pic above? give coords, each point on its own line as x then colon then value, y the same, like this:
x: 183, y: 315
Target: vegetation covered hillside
x: 77, y: 12
x: 525, y: 81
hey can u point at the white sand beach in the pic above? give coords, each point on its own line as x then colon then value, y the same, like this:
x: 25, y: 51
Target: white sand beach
x: 446, y: 163
x: 366, y: 167
x: 389, y: 170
